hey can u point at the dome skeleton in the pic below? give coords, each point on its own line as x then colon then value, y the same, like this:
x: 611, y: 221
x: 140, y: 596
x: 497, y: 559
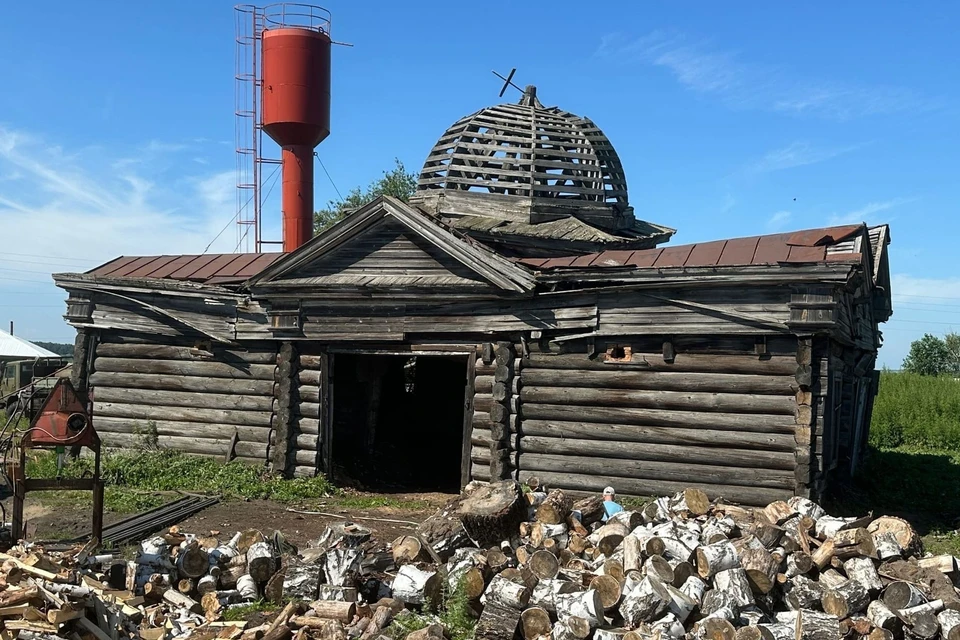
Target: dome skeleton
x: 527, y: 150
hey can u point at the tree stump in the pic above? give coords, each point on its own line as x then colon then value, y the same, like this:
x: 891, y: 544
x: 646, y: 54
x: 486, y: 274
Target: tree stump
x: 555, y: 508
x: 493, y: 512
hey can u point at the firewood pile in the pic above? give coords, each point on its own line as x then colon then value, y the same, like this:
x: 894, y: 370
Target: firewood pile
x: 532, y: 564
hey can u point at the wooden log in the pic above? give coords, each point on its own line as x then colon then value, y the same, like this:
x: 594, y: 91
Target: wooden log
x: 182, y: 601
x: 949, y: 620
x: 694, y: 588
x: 798, y: 563
x: 193, y: 561
x: 546, y: 592
x: 506, y: 593
x: 105, y: 379
x: 755, y: 423
x: 497, y: 623
x: 922, y: 619
x: 407, y: 550
x: 716, y: 629
x: 761, y: 569
x: 691, y: 501
x: 863, y: 571
x: 852, y: 543
x: 544, y: 565
x: 608, y: 587
x: 887, y: 546
x: 606, y: 633
x: 171, y: 352
x: 635, y: 487
x: 802, y: 593
x: 182, y: 414
x: 430, y: 632
x: 177, y: 428
x: 846, y: 599
x: 734, y: 582
x: 584, y: 604
x: 748, y: 374
x: 331, y: 610
x: 493, y: 512
x: 902, y: 595
x: 676, y: 400
x: 659, y: 567
x: 646, y: 602
x: 590, y: 509
x: 881, y: 616
x: 632, y: 553
x: 261, y: 563
x: 150, y: 397
x: 415, y: 586
x: 812, y: 625
x: 535, y: 623
x: 711, y: 559
x: 942, y: 563
x: 554, y: 508
x: 824, y: 553
x: 184, y: 368
x: 681, y: 605
x: 570, y: 628
x: 905, y: 535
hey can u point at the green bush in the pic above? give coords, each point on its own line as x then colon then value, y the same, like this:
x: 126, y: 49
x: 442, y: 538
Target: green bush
x: 916, y: 411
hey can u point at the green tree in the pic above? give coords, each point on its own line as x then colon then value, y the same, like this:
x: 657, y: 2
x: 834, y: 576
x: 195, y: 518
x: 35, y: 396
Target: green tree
x: 929, y: 356
x: 397, y: 182
x: 952, y: 342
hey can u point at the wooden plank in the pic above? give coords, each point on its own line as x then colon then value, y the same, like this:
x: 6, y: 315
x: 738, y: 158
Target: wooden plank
x: 659, y: 435
x: 745, y: 458
x: 689, y: 401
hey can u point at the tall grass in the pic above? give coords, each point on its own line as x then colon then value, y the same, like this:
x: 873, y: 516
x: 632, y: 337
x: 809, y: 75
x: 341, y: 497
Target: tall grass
x: 916, y: 411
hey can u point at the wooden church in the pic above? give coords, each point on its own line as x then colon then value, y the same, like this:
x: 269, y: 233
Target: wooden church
x: 514, y: 319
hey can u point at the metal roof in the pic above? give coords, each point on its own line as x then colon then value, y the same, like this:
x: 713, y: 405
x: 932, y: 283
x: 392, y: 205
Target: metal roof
x: 213, y: 268
x: 15, y: 347
x: 799, y: 247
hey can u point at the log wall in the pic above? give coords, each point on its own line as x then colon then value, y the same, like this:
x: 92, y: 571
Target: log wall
x: 193, y: 400
x: 730, y: 423
x: 492, y: 400
x: 305, y: 433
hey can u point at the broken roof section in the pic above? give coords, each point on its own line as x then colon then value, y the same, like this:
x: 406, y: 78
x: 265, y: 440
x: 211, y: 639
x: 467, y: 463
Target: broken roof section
x: 809, y: 246
x: 211, y: 268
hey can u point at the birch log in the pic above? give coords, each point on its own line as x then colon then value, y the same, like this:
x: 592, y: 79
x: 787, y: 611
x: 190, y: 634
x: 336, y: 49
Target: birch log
x: 714, y: 558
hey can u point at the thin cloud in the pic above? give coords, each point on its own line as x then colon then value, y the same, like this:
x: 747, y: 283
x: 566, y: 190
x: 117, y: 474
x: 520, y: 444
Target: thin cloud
x: 796, y: 154
x: 779, y: 220
x: 708, y: 70
x: 906, y: 286
x: 867, y: 213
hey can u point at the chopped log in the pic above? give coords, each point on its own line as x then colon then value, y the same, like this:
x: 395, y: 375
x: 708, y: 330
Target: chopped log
x: 585, y: 604
x: 806, y: 507
x: 575, y: 526
x: 716, y: 628
x: 716, y: 601
x: 681, y: 605
x: 904, y: 534
x: 407, y: 550
x: 846, y: 599
x: 280, y: 633
x: 942, y: 563
x: 430, y: 632
x: 608, y: 587
x: 714, y: 558
x: 261, y: 563
x: 881, y: 616
x: 922, y: 619
x: 768, y: 534
x: 534, y: 623
x: 555, y: 508
x: 949, y: 620
x: 718, y: 530
x: 182, y: 601
x: 693, y: 501
x: 632, y: 553
x: 342, y: 611
x: 798, y: 563
x: 577, y: 544
x: 812, y: 625
x: 887, y: 546
x: 590, y: 510
x: 646, y: 602
x: 608, y: 537
x: 851, y: 543
x: 822, y: 556
x: 414, y: 586
x: 659, y: 567
x: 497, y: 560
x: 801, y: 593
x: 546, y: 592
x: 831, y: 578
x: 193, y: 561
x: 185, y: 586
x: 497, y: 623
x: 382, y: 616
x: 493, y: 512
x: 570, y: 628
x: 863, y: 571
x: 734, y: 582
x: 506, y: 593
x: 471, y: 582
x: 694, y: 588
x: 761, y: 569
x: 206, y: 584
x: 778, y: 512
x: 681, y: 571
x: 606, y: 633
x: 751, y: 632
x: 902, y: 595
x: 777, y: 631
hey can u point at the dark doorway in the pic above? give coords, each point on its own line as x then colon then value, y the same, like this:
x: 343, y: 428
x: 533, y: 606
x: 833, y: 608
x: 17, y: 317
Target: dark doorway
x: 398, y: 421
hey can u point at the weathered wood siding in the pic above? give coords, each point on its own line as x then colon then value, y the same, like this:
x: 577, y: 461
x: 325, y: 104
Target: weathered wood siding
x: 191, y: 400
x: 492, y: 400
x: 726, y: 422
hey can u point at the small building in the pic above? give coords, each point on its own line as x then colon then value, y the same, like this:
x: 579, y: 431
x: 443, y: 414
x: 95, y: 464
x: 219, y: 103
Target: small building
x: 514, y: 319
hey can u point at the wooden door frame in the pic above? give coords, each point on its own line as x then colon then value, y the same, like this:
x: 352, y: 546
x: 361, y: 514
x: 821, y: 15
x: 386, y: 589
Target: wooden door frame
x: 328, y: 359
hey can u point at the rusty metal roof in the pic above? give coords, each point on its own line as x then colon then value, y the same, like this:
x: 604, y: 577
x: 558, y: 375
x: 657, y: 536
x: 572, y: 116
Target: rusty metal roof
x: 799, y: 247
x: 216, y: 268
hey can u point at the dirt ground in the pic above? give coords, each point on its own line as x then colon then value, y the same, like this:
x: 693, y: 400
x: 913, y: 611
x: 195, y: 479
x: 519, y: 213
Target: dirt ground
x: 62, y: 522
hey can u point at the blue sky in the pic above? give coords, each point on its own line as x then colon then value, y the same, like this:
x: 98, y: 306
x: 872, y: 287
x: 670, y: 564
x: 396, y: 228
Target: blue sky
x: 117, y: 127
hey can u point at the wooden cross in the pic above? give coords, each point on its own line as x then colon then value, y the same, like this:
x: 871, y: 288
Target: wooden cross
x: 507, y: 82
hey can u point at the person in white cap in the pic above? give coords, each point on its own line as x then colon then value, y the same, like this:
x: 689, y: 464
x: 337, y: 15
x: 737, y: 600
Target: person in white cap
x: 609, y: 503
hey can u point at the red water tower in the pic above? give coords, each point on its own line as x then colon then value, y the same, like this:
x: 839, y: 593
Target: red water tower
x: 296, y: 104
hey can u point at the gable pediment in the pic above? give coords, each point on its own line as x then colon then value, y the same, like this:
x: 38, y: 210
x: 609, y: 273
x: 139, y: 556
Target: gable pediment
x: 390, y: 245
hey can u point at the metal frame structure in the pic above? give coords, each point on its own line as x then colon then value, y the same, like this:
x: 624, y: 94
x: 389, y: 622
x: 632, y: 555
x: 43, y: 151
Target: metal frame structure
x: 251, y: 21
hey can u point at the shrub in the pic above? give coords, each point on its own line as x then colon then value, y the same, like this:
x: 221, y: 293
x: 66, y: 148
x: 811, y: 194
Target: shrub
x: 917, y: 411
